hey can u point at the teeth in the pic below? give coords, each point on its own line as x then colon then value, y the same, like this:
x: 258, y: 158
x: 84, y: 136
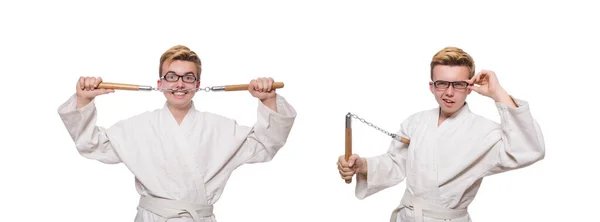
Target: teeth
x: 178, y: 93
x: 448, y: 101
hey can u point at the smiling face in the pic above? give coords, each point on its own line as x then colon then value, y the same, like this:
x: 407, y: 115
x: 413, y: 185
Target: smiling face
x: 451, y: 67
x: 179, y: 76
x: 179, y: 70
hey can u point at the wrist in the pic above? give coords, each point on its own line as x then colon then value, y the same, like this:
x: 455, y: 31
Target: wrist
x: 270, y: 102
x: 503, y: 97
x: 364, y: 167
x: 500, y: 95
x: 81, y: 102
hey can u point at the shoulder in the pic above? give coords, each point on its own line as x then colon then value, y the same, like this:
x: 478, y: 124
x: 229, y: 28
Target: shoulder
x: 419, y: 116
x: 480, y: 126
x: 410, y: 123
x: 139, y: 119
x: 215, y: 120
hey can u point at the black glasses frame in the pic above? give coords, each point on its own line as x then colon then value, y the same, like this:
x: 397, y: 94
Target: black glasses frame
x: 179, y: 77
x: 437, y: 83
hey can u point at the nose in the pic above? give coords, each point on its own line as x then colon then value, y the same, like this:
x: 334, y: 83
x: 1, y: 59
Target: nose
x: 449, y: 91
x: 180, y: 83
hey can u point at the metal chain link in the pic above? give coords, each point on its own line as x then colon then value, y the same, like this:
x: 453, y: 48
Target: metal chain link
x: 393, y: 135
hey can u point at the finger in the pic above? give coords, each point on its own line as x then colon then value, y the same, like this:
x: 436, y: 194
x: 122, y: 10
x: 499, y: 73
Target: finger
x: 269, y: 84
x: 342, y: 161
x: 473, y: 80
x: 106, y: 91
x: 80, y: 83
x: 475, y: 88
x: 97, y: 82
x: 347, y: 173
x: 479, y: 77
x: 261, y: 85
x: 86, y: 85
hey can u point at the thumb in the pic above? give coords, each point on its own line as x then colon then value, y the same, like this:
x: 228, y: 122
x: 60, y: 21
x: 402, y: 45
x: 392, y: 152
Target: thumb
x: 103, y: 91
x: 352, y: 160
x: 475, y: 88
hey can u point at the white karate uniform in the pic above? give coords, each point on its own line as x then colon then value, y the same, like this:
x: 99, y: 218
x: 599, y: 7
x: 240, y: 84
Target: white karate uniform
x: 445, y: 165
x: 180, y: 170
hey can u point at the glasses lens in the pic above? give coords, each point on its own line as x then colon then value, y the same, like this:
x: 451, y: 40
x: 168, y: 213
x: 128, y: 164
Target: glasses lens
x: 461, y: 85
x: 441, y: 84
x: 189, y: 78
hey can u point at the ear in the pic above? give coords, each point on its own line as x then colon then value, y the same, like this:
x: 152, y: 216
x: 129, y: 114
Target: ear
x: 431, y: 87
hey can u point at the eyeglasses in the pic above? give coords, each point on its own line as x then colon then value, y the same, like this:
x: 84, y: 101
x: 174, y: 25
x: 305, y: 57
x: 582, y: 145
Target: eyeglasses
x: 445, y: 84
x: 171, y: 77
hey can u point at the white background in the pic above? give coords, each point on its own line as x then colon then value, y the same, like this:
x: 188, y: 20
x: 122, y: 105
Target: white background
x: 544, y: 52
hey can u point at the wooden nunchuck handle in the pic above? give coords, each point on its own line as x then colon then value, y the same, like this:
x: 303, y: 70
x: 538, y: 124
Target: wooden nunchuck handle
x: 348, y: 150
x: 239, y: 87
x: 405, y: 141
x: 122, y: 86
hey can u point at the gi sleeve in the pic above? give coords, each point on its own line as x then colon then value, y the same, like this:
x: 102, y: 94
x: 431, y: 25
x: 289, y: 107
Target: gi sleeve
x: 90, y: 140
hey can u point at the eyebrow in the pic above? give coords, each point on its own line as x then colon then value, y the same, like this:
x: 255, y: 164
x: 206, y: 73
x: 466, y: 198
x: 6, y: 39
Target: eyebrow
x: 187, y: 73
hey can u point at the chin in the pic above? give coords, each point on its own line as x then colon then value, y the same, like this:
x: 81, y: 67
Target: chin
x: 179, y: 101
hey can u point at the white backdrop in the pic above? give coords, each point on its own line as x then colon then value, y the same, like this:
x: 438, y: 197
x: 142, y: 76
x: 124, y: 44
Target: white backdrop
x: 369, y: 57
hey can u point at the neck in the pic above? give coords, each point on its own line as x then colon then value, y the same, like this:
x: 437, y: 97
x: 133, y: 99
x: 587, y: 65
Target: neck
x: 445, y: 115
x: 179, y: 112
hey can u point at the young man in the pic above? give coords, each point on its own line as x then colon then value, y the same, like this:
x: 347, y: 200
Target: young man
x: 451, y: 149
x: 181, y: 157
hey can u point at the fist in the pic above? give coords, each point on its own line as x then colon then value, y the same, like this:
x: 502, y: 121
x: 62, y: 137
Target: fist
x: 262, y: 88
x: 86, y: 88
x: 354, y: 165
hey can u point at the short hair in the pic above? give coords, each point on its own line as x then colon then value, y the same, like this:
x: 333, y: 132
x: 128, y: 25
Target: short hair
x: 453, y: 56
x: 180, y: 52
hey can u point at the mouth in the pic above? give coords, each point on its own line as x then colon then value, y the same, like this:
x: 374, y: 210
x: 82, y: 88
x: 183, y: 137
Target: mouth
x: 448, y: 101
x: 180, y: 93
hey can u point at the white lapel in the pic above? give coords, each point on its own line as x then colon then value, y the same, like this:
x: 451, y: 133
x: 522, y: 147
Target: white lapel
x: 182, y: 149
x: 451, y: 140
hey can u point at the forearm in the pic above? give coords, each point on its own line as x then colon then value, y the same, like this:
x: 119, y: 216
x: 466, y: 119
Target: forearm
x: 503, y: 97
x: 90, y: 140
x: 274, y: 124
x: 379, y: 173
x: 82, y: 102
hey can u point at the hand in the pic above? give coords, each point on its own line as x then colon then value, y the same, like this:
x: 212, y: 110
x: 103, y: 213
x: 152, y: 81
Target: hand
x: 354, y: 165
x: 488, y: 84
x: 86, y: 90
x: 262, y: 88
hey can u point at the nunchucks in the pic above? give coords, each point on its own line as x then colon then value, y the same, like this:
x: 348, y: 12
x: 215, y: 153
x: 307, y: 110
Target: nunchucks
x: 133, y: 87
x: 348, y: 140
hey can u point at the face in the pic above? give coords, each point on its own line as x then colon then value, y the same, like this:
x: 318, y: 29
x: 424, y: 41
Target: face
x: 171, y: 73
x: 449, y: 96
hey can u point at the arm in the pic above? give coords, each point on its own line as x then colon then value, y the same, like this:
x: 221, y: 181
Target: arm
x: 521, y: 140
x: 385, y: 170
x: 90, y: 140
x: 273, y: 126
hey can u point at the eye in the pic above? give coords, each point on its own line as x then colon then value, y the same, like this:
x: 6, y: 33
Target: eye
x: 189, y: 78
x: 442, y: 84
x: 461, y: 84
x: 171, y: 77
